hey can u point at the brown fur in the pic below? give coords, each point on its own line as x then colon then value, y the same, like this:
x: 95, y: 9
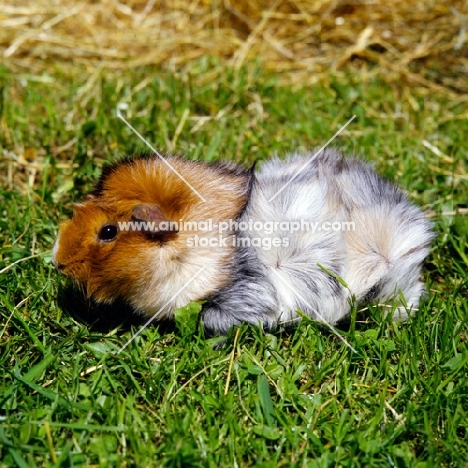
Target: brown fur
x: 138, y: 267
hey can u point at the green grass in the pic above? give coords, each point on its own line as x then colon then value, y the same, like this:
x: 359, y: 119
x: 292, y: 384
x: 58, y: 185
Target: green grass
x: 298, y: 398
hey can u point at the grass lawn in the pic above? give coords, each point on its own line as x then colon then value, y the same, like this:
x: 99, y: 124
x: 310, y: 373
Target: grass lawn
x: 291, y: 398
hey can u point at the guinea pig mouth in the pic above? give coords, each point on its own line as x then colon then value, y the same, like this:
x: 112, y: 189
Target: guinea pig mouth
x: 75, y: 271
x: 65, y: 270
x: 60, y: 266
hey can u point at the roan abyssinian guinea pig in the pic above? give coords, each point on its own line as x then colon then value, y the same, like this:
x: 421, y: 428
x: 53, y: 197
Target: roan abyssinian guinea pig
x: 309, y: 234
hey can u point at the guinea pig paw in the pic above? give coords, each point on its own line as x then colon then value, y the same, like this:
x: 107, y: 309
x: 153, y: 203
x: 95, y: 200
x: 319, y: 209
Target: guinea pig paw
x: 216, y: 322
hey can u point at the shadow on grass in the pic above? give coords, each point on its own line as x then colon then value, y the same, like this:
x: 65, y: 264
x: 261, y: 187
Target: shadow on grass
x: 104, y: 317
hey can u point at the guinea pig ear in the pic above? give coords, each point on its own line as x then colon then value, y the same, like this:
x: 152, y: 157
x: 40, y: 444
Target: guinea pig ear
x: 156, y: 223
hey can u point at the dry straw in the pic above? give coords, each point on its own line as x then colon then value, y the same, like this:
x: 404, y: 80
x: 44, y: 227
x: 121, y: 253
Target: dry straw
x: 302, y: 39
x: 412, y: 43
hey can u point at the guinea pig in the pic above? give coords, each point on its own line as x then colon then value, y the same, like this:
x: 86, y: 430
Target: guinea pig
x: 309, y: 233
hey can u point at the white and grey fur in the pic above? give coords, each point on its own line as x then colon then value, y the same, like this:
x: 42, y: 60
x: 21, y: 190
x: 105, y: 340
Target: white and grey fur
x: 379, y: 260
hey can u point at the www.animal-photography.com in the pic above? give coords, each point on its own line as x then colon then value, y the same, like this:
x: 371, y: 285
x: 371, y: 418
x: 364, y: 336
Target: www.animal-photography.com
x: 234, y: 233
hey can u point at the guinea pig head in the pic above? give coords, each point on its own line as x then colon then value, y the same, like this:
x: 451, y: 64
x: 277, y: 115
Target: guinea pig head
x: 104, y: 251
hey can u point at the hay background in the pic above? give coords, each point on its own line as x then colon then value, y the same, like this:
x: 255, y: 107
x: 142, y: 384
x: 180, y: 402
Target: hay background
x: 419, y: 44
x: 424, y: 42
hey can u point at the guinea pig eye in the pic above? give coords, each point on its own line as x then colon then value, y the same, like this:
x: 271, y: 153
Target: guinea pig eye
x: 108, y: 232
